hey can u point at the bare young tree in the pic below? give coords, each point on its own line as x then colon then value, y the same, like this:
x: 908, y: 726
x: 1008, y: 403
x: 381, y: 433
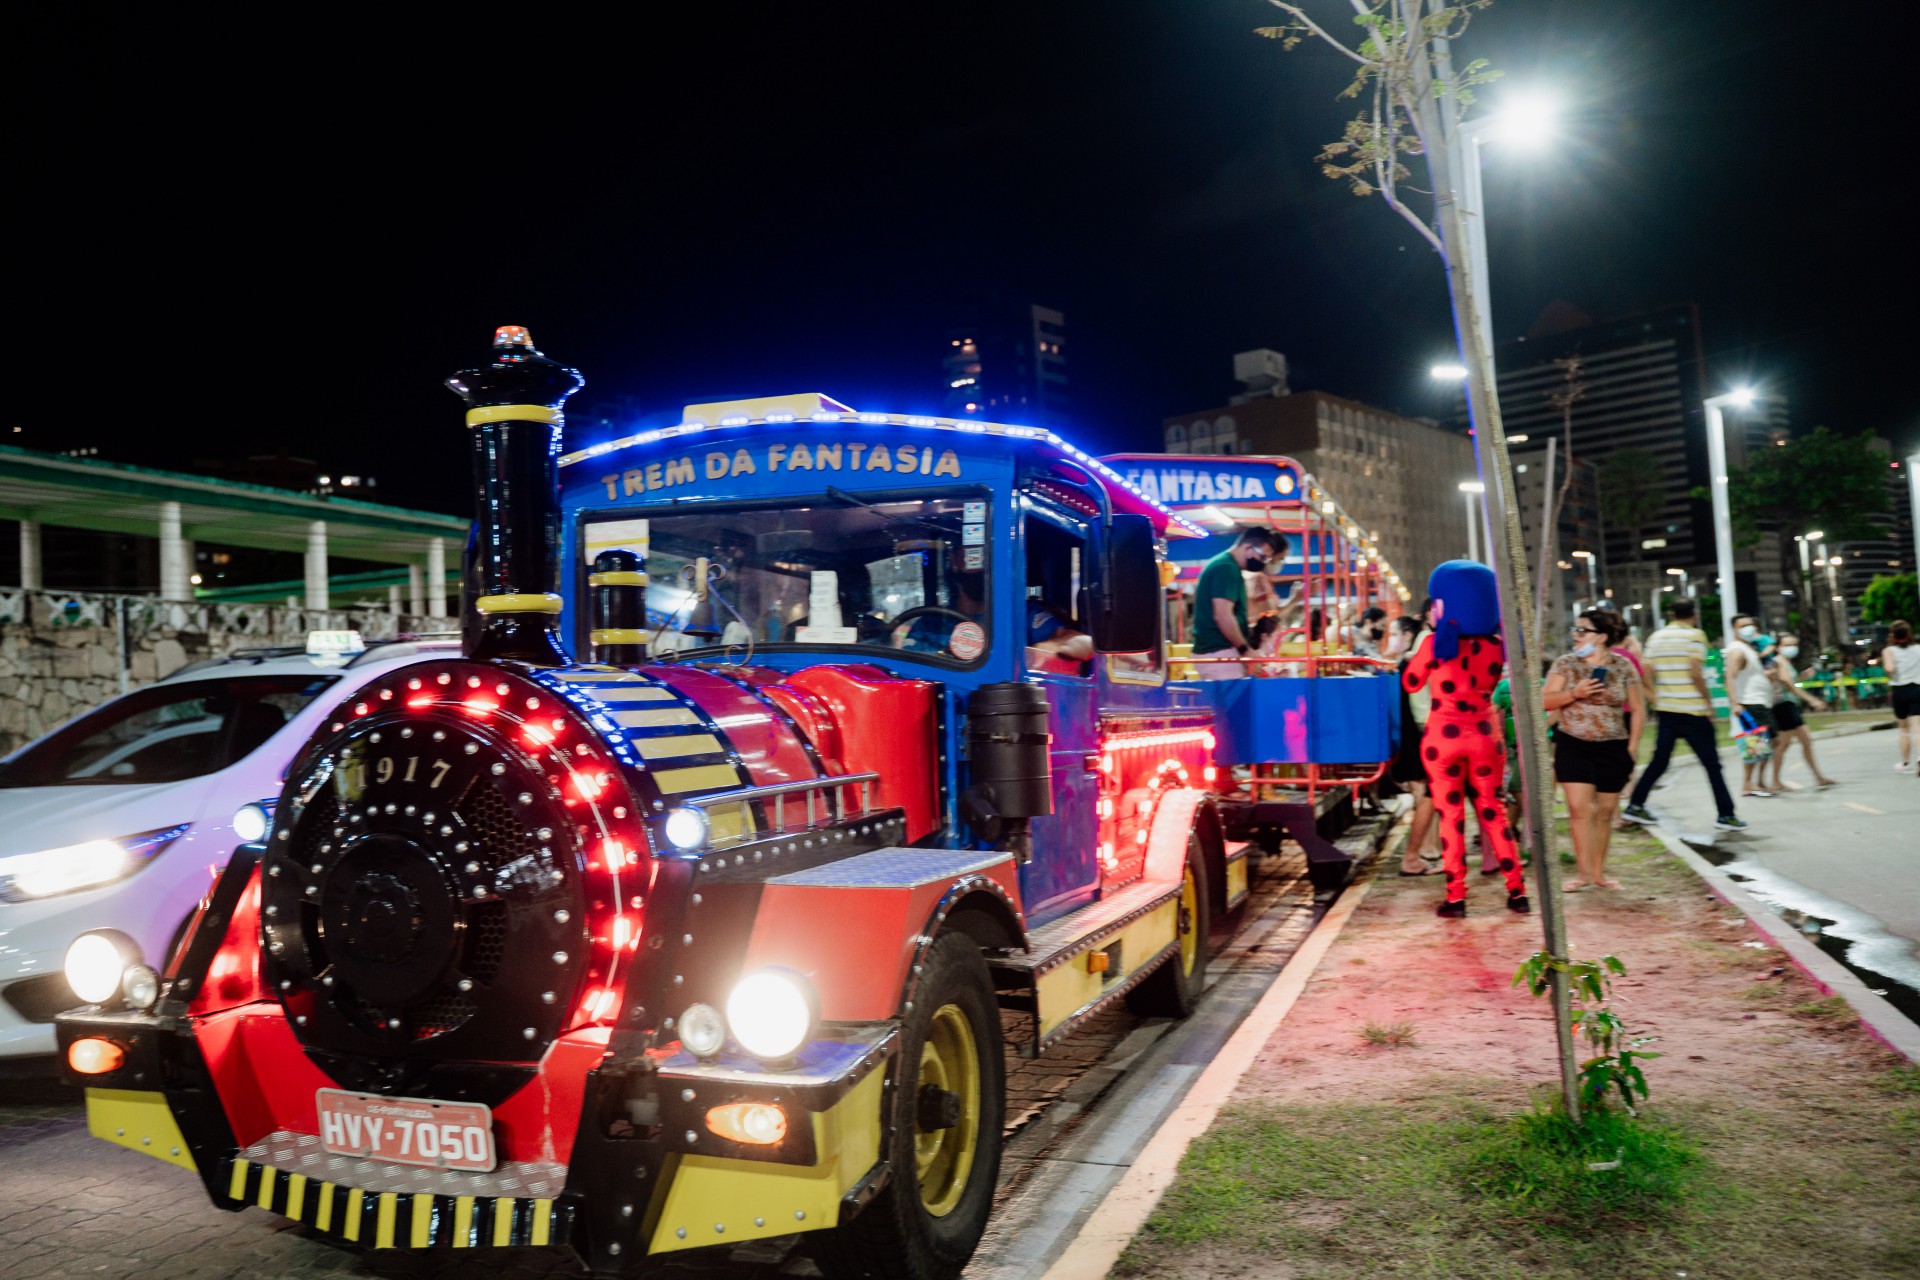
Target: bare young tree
x: 1414, y: 104
x: 1572, y: 387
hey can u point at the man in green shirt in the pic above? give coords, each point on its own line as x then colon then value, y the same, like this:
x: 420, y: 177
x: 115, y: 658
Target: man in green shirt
x: 1220, y: 602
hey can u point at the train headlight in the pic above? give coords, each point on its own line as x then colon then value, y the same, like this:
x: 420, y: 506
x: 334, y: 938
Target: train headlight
x: 702, y: 1030
x: 250, y: 823
x: 95, y: 964
x: 772, y: 1013
x: 686, y: 828
x: 139, y: 987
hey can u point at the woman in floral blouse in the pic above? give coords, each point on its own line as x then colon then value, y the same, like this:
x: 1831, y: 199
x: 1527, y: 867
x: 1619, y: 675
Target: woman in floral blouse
x: 1603, y: 708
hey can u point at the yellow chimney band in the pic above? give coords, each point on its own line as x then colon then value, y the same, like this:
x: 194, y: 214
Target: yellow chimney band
x: 529, y: 603
x: 619, y: 635
x: 619, y: 578
x: 512, y: 413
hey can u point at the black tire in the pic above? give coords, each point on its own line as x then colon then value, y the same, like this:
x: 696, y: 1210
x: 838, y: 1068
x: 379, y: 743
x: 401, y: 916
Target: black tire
x: 899, y: 1235
x: 1172, y: 990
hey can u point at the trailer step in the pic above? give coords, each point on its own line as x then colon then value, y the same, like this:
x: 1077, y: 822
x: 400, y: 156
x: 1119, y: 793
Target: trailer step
x: 1081, y: 931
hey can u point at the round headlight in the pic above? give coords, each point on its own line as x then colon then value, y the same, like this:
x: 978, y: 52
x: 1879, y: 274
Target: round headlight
x: 686, y: 828
x: 139, y: 986
x: 250, y: 823
x: 702, y: 1031
x: 94, y: 965
x: 771, y: 1013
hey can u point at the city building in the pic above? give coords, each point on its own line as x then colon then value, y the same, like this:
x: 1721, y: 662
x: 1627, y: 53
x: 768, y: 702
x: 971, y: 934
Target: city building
x: 1888, y: 553
x: 1573, y: 581
x: 1642, y: 386
x: 1006, y: 361
x: 1398, y: 476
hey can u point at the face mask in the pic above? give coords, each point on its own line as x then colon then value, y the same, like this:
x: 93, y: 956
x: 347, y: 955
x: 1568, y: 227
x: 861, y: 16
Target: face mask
x: 1255, y: 564
x: 1791, y: 651
x: 1583, y: 650
x: 1748, y: 632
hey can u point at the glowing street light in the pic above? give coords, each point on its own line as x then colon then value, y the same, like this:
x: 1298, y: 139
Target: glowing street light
x: 1475, y: 493
x: 1528, y: 120
x: 1593, y: 574
x: 1449, y: 372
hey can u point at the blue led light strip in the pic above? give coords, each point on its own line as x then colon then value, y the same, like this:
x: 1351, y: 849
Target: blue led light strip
x: 966, y: 427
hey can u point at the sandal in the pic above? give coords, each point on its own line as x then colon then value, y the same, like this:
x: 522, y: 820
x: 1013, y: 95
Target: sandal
x: 1424, y: 871
x: 1574, y: 886
x: 1607, y: 884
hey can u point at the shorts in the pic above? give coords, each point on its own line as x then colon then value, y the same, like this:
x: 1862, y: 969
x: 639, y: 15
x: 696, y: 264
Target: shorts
x: 1762, y: 716
x: 1605, y: 766
x: 1407, y: 766
x: 1906, y: 701
x: 1787, y: 717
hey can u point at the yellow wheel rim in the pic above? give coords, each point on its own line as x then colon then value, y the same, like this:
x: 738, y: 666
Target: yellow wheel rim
x: 1189, y: 914
x: 944, y: 1157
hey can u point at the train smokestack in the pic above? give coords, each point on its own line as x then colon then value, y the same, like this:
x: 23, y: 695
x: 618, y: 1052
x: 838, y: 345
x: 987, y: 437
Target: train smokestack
x: 513, y: 419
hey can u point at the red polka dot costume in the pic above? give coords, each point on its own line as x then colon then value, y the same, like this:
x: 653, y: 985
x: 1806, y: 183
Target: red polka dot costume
x: 1465, y: 754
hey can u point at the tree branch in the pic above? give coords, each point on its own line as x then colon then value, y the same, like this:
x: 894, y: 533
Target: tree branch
x: 1299, y: 15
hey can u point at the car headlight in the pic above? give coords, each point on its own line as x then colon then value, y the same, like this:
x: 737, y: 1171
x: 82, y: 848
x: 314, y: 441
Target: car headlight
x: 251, y: 823
x: 97, y: 961
x: 702, y: 1031
x: 772, y: 1012
x: 73, y: 867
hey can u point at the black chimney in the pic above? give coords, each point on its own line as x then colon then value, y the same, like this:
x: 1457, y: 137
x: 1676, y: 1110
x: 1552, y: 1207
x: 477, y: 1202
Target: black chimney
x: 513, y: 417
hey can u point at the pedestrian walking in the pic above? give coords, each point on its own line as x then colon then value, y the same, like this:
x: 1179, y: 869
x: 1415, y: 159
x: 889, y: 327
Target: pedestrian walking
x: 1901, y: 661
x: 1789, y: 724
x: 1749, y: 685
x: 1220, y: 602
x: 1602, y: 713
x: 1683, y: 712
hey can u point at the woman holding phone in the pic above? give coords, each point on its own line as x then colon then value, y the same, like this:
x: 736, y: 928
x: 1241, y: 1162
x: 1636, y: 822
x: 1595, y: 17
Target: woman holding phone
x: 1603, y: 709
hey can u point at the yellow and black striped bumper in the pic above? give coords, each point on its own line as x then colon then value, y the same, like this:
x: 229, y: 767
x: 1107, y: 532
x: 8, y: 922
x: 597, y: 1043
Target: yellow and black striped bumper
x: 398, y: 1219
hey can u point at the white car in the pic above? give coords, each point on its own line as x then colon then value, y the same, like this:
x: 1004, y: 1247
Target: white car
x: 117, y: 820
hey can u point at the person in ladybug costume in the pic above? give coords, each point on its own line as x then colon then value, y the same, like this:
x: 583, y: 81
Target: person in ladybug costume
x: 1459, y: 663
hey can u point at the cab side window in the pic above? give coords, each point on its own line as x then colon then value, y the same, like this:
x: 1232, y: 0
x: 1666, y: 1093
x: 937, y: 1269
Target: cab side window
x: 1055, y: 635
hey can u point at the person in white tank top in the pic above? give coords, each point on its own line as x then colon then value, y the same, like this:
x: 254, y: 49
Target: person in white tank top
x: 1901, y: 661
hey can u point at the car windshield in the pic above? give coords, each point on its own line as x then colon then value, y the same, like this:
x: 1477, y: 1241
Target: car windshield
x: 164, y: 733
x: 900, y: 576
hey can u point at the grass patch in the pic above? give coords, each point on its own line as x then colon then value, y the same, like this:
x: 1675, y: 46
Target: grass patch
x: 1901, y: 1079
x: 1828, y: 1009
x: 1445, y: 1186
x: 1389, y: 1035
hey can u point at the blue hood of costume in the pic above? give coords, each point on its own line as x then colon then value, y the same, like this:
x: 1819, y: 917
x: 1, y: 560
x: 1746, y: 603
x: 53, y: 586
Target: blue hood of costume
x: 1470, y: 601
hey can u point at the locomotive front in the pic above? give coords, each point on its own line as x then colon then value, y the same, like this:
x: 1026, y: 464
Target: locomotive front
x: 531, y: 954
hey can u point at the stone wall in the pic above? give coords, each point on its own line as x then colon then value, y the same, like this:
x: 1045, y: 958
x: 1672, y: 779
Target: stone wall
x: 62, y: 653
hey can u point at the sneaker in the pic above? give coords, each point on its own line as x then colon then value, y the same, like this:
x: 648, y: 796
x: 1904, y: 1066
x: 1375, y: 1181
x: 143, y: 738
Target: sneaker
x: 1729, y: 823
x: 1518, y: 902
x: 1638, y: 813
x: 1451, y: 910
x: 1758, y: 794
x: 1903, y: 767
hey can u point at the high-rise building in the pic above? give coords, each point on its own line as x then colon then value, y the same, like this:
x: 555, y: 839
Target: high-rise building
x: 1006, y: 361
x: 1398, y: 476
x: 1571, y: 580
x: 1643, y: 387
x: 1864, y: 560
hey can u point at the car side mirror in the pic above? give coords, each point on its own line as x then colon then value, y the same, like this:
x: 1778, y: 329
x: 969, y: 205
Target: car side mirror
x: 1125, y: 602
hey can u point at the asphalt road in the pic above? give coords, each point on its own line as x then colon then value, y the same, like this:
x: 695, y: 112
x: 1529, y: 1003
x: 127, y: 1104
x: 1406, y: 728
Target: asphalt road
x: 1844, y: 862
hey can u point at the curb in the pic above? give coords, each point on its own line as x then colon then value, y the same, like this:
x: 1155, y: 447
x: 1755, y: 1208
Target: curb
x: 1886, y: 1023
x: 1101, y: 1239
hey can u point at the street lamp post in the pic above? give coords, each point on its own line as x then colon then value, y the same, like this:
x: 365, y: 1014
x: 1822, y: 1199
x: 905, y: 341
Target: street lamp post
x: 1818, y: 617
x: 1474, y: 492
x: 1722, y: 511
x: 1842, y: 633
x: 1593, y: 576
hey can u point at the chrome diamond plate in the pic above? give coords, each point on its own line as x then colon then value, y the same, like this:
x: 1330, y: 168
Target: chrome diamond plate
x: 302, y: 1153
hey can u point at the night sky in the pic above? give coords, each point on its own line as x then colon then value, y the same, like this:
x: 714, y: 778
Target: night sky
x: 234, y: 234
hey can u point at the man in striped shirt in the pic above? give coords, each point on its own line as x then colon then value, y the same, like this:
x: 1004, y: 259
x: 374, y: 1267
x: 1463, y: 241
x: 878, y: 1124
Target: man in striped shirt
x: 1677, y: 654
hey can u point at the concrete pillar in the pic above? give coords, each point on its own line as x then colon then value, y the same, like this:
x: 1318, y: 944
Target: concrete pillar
x: 30, y: 555
x: 436, y: 577
x: 416, y: 600
x: 317, y: 565
x: 188, y: 552
x: 393, y: 599
x: 173, y: 556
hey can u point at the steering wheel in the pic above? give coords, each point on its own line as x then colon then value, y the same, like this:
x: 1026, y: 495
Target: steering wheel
x: 925, y: 610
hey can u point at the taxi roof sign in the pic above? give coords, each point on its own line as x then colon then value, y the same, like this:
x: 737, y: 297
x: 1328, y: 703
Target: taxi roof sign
x: 333, y: 648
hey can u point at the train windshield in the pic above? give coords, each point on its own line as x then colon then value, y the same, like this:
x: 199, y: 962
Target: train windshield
x: 901, y: 576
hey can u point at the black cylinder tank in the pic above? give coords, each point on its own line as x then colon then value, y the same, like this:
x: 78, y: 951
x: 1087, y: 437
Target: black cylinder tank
x: 618, y: 589
x: 1007, y: 742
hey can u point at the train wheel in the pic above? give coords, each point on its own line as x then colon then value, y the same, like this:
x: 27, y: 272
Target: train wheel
x: 942, y: 1145
x: 1173, y: 989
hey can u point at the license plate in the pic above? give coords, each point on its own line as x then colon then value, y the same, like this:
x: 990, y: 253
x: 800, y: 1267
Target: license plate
x: 438, y: 1135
